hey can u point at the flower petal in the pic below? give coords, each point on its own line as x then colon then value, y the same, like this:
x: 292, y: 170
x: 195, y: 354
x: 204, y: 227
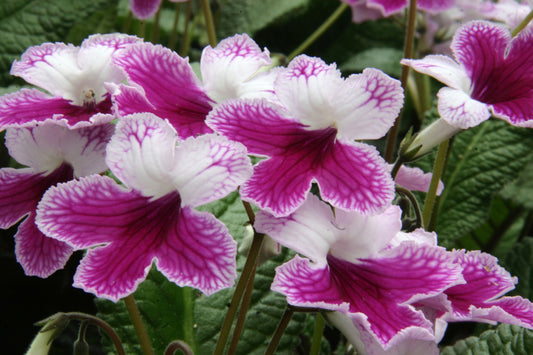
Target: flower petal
x: 232, y: 63
x: 141, y: 154
x: 372, y: 104
x: 198, y: 252
x: 29, y: 107
x: 208, y: 168
x: 355, y: 177
x: 169, y: 84
x: 39, y: 255
x: 261, y: 126
x: 415, y: 179
x: 442, y: 68
x: 459, y: 110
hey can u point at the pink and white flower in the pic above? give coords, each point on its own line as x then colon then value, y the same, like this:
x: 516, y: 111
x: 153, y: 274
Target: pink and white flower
x: 53, y: 154
x: 163, y: 83
x: 364, y: 10
x: 311, y: 137
x: 153, y: 218
x: 74, y: 78
x: 491, y: 75
x: 362, y: 267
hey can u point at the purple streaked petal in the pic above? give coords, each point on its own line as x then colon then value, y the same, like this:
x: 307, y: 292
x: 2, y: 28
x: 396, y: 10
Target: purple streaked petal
x: 39, y: 255
x: 198, y: 252
x: 308, y: 89
x: 20, y: 191
x: 371, y: 103
x: 46, y: 147
x: 208, y: 168
x: 142, y: 154
x: 361, y: 12
x: 261, y: 126
x: 29, y: 107
x: 355, y: 177
x: 511, y: 310
x: 169, y: 84
x: 90, y: 211
x: 442, y: 68
x: 310, y: 230
x: 459, y: 110
x: 230, y: 64
x: 415, y: 179
x: 388, y: 7
x: 144, y: 9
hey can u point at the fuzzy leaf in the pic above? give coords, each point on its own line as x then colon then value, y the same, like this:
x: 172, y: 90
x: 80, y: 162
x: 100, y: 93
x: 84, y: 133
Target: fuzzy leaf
x: 482, y: 161
x: 519, y: 262
x: 520, y: 191
x: 504, y: 340
x: 24, y: 23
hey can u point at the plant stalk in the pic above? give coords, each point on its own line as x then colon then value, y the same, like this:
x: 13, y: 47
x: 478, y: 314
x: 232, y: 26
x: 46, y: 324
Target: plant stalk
x: 523, y: 24
x: 210, y: 24
x: 138, y: 324
x: 320, y: 323
x: 438, y: 170
x: 283, y: 323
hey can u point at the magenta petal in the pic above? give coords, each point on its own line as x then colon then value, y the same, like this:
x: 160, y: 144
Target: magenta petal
x: 28, y: 107
x: 258, y: 124
x: 39, y: 255
x: 198, y: 252
x: 355, y: 177
x: 169, y: 84
x: 511, y: 310
x: 388, y: 7
x: 144, y: 9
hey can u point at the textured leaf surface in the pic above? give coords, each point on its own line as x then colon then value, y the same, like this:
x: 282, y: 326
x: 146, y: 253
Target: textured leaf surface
x: 520, y: 191
x: 24, y: 23
x: 249, y: 16
x: 386, y: 59
x: 504, y: 340
x: 482, y: 161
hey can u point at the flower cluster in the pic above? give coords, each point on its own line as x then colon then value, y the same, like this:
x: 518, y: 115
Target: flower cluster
x: 171, y: 142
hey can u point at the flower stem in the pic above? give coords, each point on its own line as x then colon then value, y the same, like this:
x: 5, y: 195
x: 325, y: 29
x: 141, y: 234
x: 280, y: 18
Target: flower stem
x: 178, y: 345
x: 185, y: 39
x: 438, y: 170
x: 523, y: 24
x: 320, y: 322
x: 414, y: 204
x: 407, y: 53
x: 318, y: 32
x: 283, y: 323
x: 138, y: 324
x: 174, y: 33
x: 210, y: 24
x: 247, y: 271
x: 155, y: 29
x: 239, y: 326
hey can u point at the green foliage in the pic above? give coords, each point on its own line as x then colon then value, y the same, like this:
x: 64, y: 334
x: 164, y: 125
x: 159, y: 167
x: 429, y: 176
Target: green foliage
x: 519, y: 262
x: 386, y: 59
x: 483, y: 159
x: 24, y: 23
x: 504, y: 340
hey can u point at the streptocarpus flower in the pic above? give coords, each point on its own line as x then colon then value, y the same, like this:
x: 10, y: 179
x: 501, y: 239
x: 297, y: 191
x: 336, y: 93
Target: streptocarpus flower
x: 144, y: 9
x: 73, y: 76
x: 362, y: 267
x: 163, y: 83
x: 492, y: 74
x: 53, y: 154
x: 480, y: 298
x: 153, y: 218
x: 311, y: 137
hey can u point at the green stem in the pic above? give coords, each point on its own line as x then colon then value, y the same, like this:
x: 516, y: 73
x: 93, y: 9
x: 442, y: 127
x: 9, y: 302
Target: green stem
x: 142, y: 29
x: 283, y: 323
x: 138, y: 325
x: 127, y: 24
x: 174, y: 33
x: 247, y: 271
x: 210, y: 24
x: 188, y: 317
x: 320, y: 323
x: 414, y: 204
x: 185, y: 41
x: 178, y: 345
x: 523, y: 24
x: 239, y: 325
x: 155, y: 30
x: 407, y: 53
x: 318, y: 32
x: 438, y: 170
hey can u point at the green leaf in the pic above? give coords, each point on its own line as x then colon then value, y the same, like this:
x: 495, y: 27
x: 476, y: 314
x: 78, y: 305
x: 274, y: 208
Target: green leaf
x: 249, y: 16
x: 483, y: 159
x: 519, y: 262
x: 386, y: 59
x: 520, y: 191
x: 504, y: 340
x: 24, y: 23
